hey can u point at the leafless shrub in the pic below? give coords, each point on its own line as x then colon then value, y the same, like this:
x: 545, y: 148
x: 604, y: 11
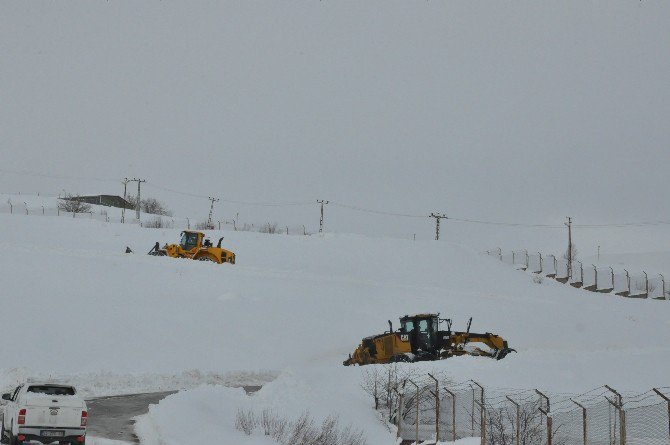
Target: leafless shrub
x: 150, y: 205
x: 245, y: 421
x: 268, y: 228
x: 501, y: 425
x: 73, y: 204
x: 156, y: 223
x: 639, y: 285
x: 272, y: 425
x: 303, y: 431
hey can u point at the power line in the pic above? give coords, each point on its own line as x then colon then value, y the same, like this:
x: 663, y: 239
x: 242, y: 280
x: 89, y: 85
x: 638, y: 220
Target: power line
x: 377, y: 212
x: 348, y: 206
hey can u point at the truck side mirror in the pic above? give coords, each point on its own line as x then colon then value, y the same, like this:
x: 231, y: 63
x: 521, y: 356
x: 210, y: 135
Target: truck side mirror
x: 7, y: 396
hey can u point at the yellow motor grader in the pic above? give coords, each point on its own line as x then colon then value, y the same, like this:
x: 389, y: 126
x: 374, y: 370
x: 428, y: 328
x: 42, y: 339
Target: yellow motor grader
x: 420, y: 339
x: 195, y: 246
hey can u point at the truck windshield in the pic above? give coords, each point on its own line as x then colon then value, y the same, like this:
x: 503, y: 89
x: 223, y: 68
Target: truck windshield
x: 52, y: 390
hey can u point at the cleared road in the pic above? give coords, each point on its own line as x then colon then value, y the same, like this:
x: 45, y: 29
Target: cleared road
x: 111, y: 417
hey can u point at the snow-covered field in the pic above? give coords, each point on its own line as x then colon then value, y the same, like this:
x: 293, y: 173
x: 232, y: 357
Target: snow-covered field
x: 75, y: 306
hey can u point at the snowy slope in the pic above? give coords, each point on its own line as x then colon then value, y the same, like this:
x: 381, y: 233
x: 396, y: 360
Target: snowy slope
x: 73, y: 303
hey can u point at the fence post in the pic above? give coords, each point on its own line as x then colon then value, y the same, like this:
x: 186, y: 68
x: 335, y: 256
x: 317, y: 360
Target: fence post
x: 437, y: 407
x: 646, y: 283
x: 482, y: 424
x: 619, y: 405
x: 667, y: 399
x: 584, y: 430
x: 662, y: 287
x: 472, y: 414
x: 417, y: 410
x: 453, y: 413
x: 549, y: 424
x: 526, y: 252
x: 541, y: 268
x: 482, y: 412
x: 401, y: 396
x: 622, y: 420
x: 518, y: 420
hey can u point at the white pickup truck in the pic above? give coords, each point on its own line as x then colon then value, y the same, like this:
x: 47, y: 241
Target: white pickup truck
x: 44, y: 412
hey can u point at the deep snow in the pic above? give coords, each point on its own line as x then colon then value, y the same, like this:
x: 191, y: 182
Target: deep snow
x: 75, y: 306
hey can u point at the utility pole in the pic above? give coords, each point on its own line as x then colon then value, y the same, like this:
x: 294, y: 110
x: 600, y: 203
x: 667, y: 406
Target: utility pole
x: 438, y: 217
x: 139, y: 197
x: 322, y: 202
x: 211, y: 210
x: 123, y: 210
x: 569, y: 224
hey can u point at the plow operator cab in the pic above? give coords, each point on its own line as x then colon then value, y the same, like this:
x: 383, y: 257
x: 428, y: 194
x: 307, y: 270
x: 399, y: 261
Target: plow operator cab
x: 195, y: 246
x: 420, y: 339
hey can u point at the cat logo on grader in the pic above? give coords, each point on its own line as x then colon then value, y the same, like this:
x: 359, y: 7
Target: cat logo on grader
x: 193, y: 245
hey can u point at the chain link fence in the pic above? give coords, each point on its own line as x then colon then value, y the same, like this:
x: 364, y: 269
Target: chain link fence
x: 426, y: 408
x: 589, y: 277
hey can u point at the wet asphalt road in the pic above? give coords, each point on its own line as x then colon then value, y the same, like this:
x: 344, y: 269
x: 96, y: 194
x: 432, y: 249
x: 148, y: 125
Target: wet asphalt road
x: 111, y: 417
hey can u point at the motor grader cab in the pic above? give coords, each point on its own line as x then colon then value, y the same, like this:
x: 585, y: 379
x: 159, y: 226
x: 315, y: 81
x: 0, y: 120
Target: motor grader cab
x: 196, y: 246
x: 419, y: 338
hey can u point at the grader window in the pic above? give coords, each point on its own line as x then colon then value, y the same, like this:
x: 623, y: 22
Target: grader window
x: 425, y: 340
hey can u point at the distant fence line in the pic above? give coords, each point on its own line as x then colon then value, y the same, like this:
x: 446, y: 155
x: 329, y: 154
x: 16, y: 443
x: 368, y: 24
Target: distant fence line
x: 590, y: 277
x: 152, y: 221
x: 427, y: 408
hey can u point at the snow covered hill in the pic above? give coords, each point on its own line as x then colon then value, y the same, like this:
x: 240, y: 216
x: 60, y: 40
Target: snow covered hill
x: 74, y: 305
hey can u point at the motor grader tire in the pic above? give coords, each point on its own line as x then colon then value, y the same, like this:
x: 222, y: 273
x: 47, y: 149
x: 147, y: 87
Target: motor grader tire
x: 400, y: 358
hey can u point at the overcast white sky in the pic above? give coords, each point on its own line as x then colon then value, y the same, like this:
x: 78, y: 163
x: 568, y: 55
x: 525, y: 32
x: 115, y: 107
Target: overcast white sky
x: 516, y: 111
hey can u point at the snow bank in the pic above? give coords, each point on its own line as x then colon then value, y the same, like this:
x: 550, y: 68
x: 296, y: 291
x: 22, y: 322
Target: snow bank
x: 107, y: 383
x: 209, y: 413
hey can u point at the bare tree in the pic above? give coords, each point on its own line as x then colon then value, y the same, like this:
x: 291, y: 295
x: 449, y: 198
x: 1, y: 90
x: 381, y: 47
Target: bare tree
x: 73, y: 204
x: 566, y: 254
x: 150, y: 205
